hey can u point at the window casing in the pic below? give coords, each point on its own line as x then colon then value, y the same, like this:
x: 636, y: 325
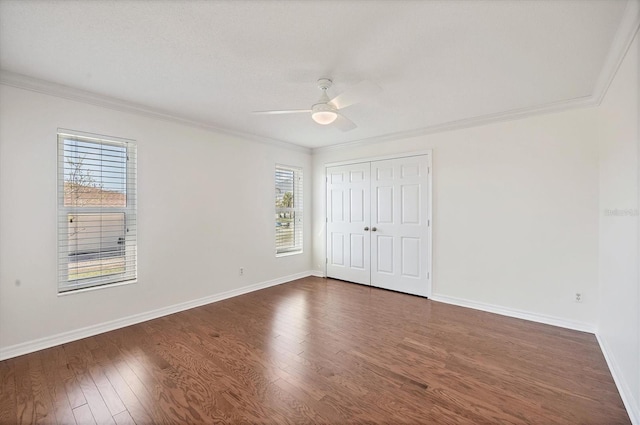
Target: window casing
x: 97, y: 221
x: 289, y: 214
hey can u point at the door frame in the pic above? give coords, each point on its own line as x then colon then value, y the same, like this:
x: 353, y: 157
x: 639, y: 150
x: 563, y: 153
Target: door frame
x: 425, y: 152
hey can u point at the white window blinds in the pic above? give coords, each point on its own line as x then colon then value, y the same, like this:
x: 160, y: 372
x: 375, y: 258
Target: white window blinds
x: 288, y: 210
x: 96, y: 210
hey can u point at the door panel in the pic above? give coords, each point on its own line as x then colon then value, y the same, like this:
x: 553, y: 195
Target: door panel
x: 348, y: 213
x: 358, y: 254
x: 384, y: 263
x: 410, y: 257
x: 384, y: 204
x: 337, y: 200
x: 337, y: 249
x: 409, y: 170
x: 410, y: 204
x: 356, y: 197
x: 358, y: 176
x: 384, y: 173
x: 400, y: 243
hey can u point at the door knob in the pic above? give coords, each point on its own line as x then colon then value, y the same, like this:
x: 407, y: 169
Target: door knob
x: 366, y: 228
x: 373, y: 229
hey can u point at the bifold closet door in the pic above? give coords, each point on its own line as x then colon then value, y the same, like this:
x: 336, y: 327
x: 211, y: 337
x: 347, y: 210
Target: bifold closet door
x: 399, y: 225
x: 348, y: 216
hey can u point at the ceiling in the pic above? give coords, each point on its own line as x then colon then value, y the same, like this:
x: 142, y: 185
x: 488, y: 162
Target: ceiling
x: 214, y: 62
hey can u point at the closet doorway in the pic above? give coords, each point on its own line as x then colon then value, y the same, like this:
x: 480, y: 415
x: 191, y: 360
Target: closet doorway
x: 379, y: 223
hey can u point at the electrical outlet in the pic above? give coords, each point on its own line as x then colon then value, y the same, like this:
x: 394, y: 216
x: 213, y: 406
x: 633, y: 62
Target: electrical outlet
x: 241, y: 271
x: 578, y: 297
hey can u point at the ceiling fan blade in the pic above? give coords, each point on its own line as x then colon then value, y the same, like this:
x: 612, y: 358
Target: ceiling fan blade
x: 343, y: 123
x: 355, y: 94
x: 290, y: 111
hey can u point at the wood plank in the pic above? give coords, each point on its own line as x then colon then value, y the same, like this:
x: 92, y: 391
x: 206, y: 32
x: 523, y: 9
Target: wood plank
x: 79, y: 361
x: 83, y: 415
x: 8, y: 401
x: 318, y: 351
x: 52, y: 364
x: 44, y: 411
x: 65, y: 375
x: 108, y: 393
x: 131, y: 402
x: 25, y: 409
x: 137, y: 391
x: 124, y: 418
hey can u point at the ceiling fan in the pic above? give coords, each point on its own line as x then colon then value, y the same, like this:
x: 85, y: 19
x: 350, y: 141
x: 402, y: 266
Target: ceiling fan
x: 328, y: 111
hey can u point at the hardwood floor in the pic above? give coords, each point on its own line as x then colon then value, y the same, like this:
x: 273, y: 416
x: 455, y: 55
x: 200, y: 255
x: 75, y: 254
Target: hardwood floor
x: 318, y: 351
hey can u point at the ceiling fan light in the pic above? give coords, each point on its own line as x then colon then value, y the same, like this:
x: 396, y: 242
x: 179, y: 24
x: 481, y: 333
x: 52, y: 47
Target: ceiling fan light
x: 324, y: 117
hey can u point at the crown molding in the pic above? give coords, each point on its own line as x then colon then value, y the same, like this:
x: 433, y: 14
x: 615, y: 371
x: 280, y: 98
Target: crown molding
x: 627, y: 30
x: 514, y: 114
x: 24, y: 82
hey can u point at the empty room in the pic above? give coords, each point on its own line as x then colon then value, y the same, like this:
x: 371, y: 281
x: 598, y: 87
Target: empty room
x: 323, y: 212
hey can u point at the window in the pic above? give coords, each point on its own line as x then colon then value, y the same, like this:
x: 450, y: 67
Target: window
x: 96, y: 210
x: 288, y: 210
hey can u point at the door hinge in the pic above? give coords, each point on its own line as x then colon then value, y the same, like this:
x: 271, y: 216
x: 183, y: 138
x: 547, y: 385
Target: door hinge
x: 428, y: 223
x: 428, y: 275
x: 326, y: 219
x: 326, y: 261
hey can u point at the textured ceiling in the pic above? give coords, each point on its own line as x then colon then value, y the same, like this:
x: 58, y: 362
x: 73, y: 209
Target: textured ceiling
x: 216, y: 61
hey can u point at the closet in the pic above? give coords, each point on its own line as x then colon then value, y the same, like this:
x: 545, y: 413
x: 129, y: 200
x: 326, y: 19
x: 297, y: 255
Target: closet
x: 379, y: 223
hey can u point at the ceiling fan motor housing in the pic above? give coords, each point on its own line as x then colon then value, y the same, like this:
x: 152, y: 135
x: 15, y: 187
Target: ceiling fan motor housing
x: 324, y: 83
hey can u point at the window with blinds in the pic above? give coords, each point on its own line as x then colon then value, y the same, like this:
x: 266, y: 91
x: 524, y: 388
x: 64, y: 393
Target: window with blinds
x: 96, y: 210
x: 288, y: 210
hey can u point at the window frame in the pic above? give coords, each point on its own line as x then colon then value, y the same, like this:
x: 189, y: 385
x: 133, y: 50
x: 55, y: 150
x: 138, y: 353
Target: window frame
x: 130, y: 273
x: 298, y: 210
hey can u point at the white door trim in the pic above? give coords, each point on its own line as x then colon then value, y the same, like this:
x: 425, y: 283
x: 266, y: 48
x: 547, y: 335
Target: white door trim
x: 428, y: 152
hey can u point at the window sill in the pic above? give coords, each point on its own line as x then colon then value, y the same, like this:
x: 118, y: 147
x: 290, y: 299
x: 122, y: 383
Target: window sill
x: 288, y: 254
x: 96, y: 288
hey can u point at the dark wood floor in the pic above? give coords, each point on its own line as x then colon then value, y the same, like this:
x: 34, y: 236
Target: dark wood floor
x: 318, y: 351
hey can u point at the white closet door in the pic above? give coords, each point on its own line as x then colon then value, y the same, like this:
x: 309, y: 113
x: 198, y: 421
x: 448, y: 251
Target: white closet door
x: 399, y: 227
x: 348, y: 216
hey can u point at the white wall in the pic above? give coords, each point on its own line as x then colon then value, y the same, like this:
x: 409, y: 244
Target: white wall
x: 205, y: 208
x: 515, y: 213
x: 619, y: 324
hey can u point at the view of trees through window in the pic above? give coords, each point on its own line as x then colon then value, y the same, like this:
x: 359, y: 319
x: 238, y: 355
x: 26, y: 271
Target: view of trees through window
x: 288, y: 206
x: 95, y: 194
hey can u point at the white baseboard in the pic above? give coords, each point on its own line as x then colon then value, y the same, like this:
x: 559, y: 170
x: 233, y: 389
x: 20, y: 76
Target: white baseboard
x: 317, y: 273
x: 76, y: 334
x: 629, y: 401
x: 519, y: 314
